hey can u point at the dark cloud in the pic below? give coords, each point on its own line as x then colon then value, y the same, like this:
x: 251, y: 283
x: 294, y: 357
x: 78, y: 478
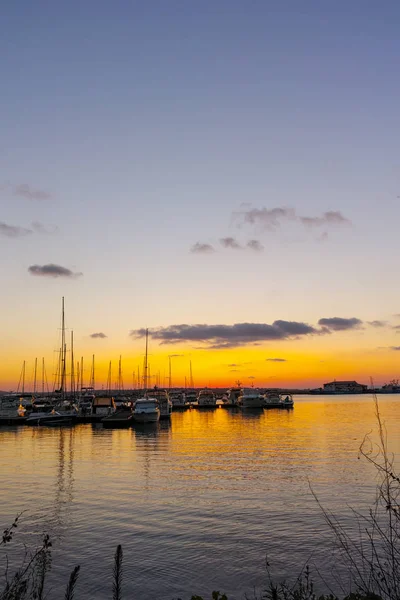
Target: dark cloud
x: 175, y: 355
x: 52, y: 270
x: 377, y: 323
x: 26, y: 191
x: 340, y: 324
x: 99, y: 335
x: 228, y: 336
x: 199, y: 248
x: 278, y: 360
x: 396, y: 348
x: 13, y: 231
x: 230, y: 242
x: 255, y: 245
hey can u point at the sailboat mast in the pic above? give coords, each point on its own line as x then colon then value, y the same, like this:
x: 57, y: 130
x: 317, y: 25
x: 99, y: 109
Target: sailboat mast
x: 81, y: 372
x: 23, y: 378
x: 72, y: 365
x: 191, y: 376
x: 145, y: 361
x: 34, y: 378
x: 43, y: 375
x: 63, y: 349
x: 92, y: 382
x: 119, y: 374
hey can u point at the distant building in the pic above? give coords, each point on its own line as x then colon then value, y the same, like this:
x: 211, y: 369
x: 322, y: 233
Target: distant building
x: 345, y: 387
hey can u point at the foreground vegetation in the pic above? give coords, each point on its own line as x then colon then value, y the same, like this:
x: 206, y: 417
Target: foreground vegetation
x: 373, y: 560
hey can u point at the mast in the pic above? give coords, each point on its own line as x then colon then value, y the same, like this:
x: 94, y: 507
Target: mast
x: 63, y: 349
x: 23, y: 378
x: 170, y: 370
x: 119, y: 375
x: 109, y: 379
x: 92, y: 382
x: 145, y: 361
x: 34, y: 378
x: 72, y: 365
x: 43, y: 375
x: 81, y: 372
x: 191, y: 376
x: 138, y: 377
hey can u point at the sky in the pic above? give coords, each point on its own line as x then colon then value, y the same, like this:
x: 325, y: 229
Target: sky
x: 225, y: 174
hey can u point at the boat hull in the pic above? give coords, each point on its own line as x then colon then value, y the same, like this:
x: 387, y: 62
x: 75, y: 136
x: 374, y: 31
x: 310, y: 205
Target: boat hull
x: 146, y: 417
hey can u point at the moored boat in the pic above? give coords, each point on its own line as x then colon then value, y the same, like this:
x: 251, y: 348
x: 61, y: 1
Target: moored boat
x: 250, y: 398
x: 146, y: 410
x: 206, y: 399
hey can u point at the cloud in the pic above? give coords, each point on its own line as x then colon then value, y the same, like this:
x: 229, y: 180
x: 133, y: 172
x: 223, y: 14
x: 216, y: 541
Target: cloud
x: 52, y: 270
x: 228, y: 336
x: 26, y: 191
x: 255, y: 245
x: 396, y: 348
x: 40, y: 228
x: 377, y: 323
x: 340, y: 324
x: 331, y: 217
x: 199, y: 248
x: 230, y: 242
x: 13, y: 231
x: 278, y: 360
x: 271, y: 219
x: 99, y: 335
x: 175, y: 355
x: 268, y: 218
x: 233, y: 370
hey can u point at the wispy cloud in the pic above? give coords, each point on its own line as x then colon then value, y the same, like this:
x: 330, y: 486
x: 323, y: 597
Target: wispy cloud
x: 271, y: 219
x: 24, y: 190
x: 255, y: 245
x: 377, y: 323
x: 331, y: 217
x: 200, y: 248
x: 52, y: 270
x: 340, y: 324
x: 277, y: 360
x: 230, y: 242
x: 229, y: 336
x: 395, y: 348
x: 13, y: 231
x: 44, y: 229
x: 99, y: 335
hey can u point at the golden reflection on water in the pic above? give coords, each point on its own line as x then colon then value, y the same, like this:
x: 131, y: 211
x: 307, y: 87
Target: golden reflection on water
x: 213, y: 487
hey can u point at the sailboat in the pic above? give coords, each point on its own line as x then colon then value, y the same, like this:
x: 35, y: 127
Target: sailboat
x: 64, y: 412
x: 146, y: 408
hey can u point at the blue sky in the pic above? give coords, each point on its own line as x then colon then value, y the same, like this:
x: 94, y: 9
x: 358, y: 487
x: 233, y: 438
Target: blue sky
x: 148, y: 125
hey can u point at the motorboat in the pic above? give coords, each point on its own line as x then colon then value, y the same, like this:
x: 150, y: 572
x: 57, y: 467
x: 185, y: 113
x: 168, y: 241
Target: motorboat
x: 164, y: 403
x: 206, y: 398
x: 62, y: 414
x: 177, y: 398
x: 146, y: 410
x: 286, y: 400
x: 232, y: 395
x: 250, y: 398
x: 11, y: 406
x: 190, y: 396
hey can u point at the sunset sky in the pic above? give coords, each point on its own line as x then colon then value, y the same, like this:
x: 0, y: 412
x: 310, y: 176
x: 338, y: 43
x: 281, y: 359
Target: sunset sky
x: 225, y: 173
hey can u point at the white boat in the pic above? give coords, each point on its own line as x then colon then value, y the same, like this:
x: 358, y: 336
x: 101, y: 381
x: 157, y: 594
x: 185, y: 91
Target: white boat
x: 63, y: 414
x: 164, y: 403
x: 232, y: 395
x: 178, y: 399
x: 190, y: 396
x: 286, y: 401
x: 206, y: 398
x: 250, y: 398
x: 146, y: 410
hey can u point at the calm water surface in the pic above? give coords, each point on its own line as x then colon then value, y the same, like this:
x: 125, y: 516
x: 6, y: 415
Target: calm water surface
x: 197, y: 503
